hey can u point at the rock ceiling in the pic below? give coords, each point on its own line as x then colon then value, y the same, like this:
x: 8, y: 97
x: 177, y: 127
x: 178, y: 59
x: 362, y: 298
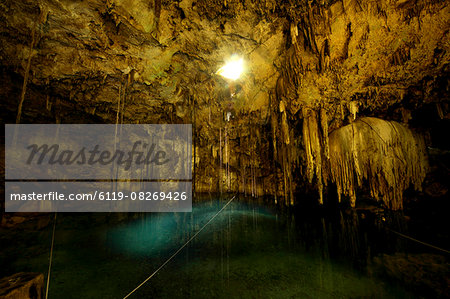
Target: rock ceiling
x: 166, y: 53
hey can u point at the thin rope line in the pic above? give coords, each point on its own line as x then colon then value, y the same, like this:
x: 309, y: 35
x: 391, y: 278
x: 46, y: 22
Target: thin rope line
x: 181, y: 248
x: 51, y: 258
x: 423, y: 243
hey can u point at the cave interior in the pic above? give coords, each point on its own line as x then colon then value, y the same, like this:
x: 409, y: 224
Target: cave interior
x: 326, y: 157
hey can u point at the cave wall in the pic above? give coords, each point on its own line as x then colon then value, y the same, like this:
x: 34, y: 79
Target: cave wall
x: 311, y: 68
x: 387, y: 59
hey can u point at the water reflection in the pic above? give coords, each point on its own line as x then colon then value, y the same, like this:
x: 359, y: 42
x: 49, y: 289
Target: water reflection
x: 253, y: 249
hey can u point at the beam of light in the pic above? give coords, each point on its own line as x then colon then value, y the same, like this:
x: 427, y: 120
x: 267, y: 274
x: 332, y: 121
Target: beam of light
x: 232, y: 69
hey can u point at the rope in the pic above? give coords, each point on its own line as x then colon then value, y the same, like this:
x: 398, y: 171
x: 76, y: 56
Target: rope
x: 415, y: 240
x: 27, y: 71
x: 181, y: 248
x: 51, y: 258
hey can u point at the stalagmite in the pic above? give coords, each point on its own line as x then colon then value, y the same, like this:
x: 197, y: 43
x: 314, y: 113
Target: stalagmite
x: 383, y: 154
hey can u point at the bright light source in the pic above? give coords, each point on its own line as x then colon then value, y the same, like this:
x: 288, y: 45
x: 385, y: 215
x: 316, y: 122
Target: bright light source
x: 233, y: 69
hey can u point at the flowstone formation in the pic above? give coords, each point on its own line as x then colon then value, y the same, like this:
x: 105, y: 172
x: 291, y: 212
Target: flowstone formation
x: 384, y: 155
x: 312, y: 67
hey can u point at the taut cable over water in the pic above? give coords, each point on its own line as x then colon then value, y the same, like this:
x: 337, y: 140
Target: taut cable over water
x: 181, y: 248
x: 418, y: 241
x: 51, y: 258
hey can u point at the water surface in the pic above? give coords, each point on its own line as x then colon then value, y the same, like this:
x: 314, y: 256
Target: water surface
x: 252, y: 249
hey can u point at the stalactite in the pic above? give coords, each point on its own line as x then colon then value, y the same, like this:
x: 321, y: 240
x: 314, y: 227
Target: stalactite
x: 118, y: 110
x: 353, y: 108
x: 324, y: 61
x: 125, y: 89
x: 440, y: 110
x: 313, y: 149
x: 287, y: 174
x: 48, y: 104
x: 324, y: 125
x: 274, y: 126
x: 119, y: 120
x: 284, y: 123
x: 385, y: 154
x: 227, y: 158
x: 220, y: 160
x: 253, y: 177
x: 114, y: 177
x: 243, y: 166
x: 252, y: 163
x: 194, y: 142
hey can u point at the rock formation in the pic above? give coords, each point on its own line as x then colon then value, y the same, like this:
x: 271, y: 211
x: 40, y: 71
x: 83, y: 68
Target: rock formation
x: 22, y: 285
x: 383, y: 154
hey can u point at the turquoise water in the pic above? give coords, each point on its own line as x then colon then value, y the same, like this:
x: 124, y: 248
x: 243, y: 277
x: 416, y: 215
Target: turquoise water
x: 251, y: 250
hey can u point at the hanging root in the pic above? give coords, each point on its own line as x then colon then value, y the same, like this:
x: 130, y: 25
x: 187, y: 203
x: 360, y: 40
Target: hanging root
x: 385, y: 155
x: 26, y: 75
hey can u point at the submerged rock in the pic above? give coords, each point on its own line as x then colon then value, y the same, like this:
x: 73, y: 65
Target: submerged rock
x: 428, y: 274
x: 23, y: 285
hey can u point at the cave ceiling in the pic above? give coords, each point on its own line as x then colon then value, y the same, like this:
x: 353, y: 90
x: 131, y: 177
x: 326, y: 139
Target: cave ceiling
x: 164, y: 54
x: 161, y: 56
